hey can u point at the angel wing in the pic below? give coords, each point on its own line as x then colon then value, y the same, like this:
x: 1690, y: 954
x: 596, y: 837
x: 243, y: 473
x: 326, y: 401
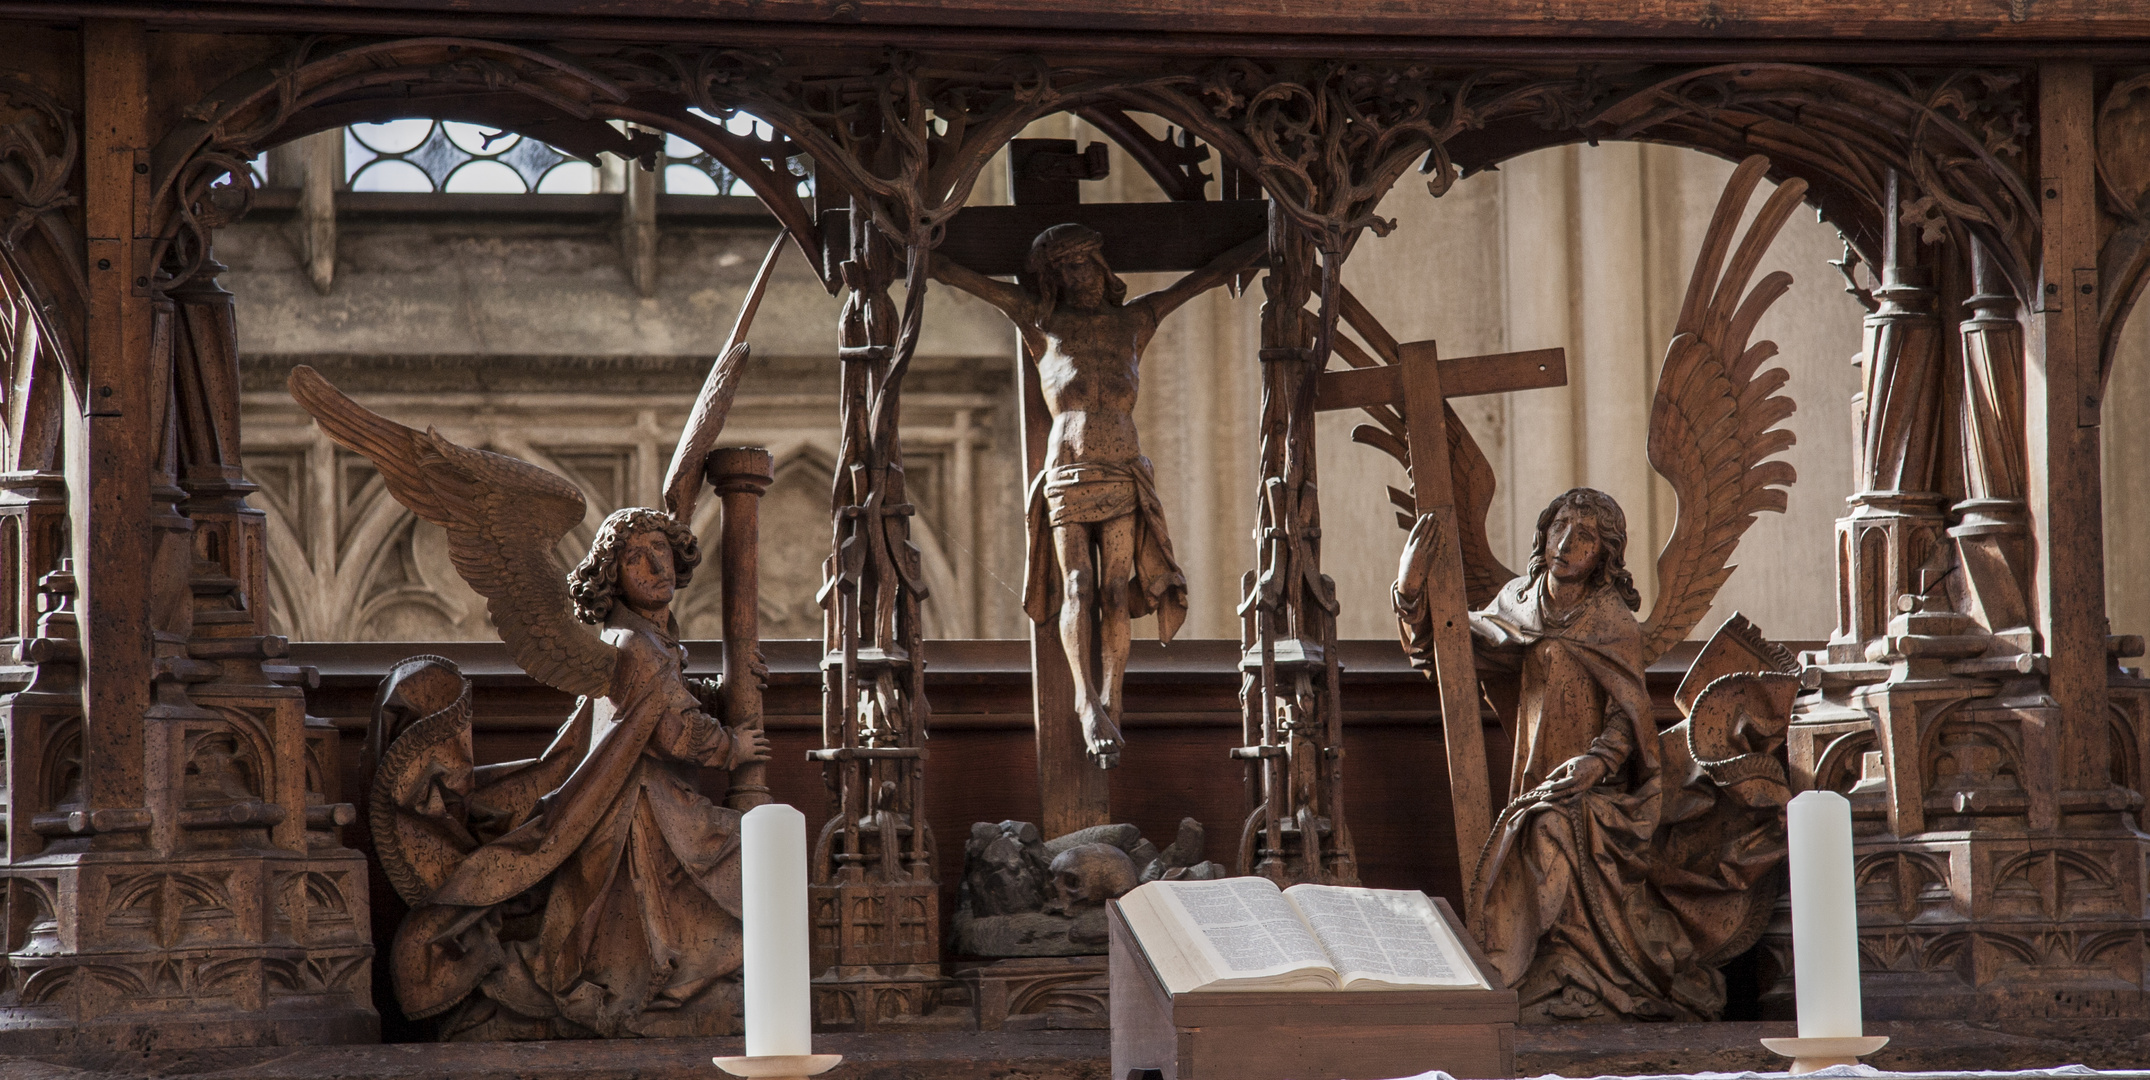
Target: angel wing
x: 1713, y: 426
x: 1471, y: 479
x: 504, y: 518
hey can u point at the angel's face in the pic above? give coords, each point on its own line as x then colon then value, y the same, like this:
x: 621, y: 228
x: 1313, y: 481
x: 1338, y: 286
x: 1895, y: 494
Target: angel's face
x: 646, y: 570
x: 1572, y: 545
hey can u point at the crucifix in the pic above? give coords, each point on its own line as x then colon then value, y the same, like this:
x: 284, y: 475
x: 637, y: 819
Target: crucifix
x: 1099, y: 552
x: 1417, y: 382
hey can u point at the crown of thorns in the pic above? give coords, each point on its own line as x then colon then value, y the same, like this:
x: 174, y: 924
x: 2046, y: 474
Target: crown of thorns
x: 1064, y: 243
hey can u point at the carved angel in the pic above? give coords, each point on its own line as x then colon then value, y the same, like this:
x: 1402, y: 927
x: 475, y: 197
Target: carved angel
x: 1577, y: 891
x: 593, y: 890
x: 1713, y: 434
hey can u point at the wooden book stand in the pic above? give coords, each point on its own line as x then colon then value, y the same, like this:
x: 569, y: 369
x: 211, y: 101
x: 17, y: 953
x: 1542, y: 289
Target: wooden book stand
x: 1305, y: 1035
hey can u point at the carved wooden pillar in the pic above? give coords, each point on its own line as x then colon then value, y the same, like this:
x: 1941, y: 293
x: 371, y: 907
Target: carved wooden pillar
x: 34, y: 538
x: 78, y: 781
x: 173, y: 874
x: 44, y: 759
x: 875, y: 896
x: 741, y: 476
x: 2064, y: 396
x: 1291, y: 714
x: 111, y: 454
x: 1993, y: 536
x: 1895, y: 521
x: 2000, y: 871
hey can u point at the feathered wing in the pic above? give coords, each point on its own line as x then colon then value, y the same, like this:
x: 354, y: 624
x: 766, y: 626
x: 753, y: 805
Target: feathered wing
x: 1713, y: 428
x: 503, y: 516
x: 1471, y: 480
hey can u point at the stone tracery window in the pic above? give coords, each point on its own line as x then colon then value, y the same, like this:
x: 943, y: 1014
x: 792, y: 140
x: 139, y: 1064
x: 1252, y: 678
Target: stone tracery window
x: 448, y: 156
x: 419, y: 155
x: 691, y: 170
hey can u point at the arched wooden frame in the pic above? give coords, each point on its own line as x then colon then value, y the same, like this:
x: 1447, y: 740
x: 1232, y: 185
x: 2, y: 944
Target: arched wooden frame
x: 1841, y: 132
x: 909, y: 135
x: 2122, y: 123
x: 535, y: 92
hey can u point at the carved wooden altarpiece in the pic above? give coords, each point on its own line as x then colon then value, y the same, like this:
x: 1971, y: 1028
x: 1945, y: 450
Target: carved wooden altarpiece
x: 172, y: 865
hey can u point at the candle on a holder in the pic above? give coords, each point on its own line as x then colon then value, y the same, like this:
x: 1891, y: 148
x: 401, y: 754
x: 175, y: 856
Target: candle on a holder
x: 1825, y: 937
x: 779, y: 994
x: 1825, y: 916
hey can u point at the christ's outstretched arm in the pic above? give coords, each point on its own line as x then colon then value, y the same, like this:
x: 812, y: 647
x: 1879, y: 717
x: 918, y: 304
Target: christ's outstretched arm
x: 1165, y: 301
x: 1010, y: 299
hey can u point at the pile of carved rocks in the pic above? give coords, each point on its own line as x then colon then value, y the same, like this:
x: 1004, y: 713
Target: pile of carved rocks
x: 1026, y: 896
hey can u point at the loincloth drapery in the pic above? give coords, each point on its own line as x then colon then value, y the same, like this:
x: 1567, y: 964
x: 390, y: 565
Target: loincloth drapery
x: 1086, y: 493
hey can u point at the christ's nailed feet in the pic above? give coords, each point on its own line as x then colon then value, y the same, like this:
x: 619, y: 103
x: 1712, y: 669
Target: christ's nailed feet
x: 1101, y: 737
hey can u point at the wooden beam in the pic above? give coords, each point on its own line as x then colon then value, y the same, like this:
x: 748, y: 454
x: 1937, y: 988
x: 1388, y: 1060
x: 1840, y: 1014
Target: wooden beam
x: 1140, y: 238
x: 1455, y: 671
x: 2062, y: 402
x: 1466, y: 376
x: 1820, y: 29
x: 109, y: 452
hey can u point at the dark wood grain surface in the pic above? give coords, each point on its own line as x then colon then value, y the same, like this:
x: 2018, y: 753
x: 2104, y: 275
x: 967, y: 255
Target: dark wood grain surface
x: 1914, y: 20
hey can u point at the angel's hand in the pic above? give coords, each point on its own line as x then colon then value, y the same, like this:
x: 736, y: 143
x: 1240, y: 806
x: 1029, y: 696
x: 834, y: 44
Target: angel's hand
x: 750, y: 744
x: 1578, y: 773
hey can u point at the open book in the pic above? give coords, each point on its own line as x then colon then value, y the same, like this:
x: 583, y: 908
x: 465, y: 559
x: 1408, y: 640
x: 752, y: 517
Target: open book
x: 1245, y: 934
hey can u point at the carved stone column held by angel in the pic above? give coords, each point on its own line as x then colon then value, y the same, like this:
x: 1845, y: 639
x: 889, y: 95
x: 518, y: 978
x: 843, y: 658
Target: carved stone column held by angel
x: 1624, y: 869
x: 1098, y: 545
x: 592, y: 890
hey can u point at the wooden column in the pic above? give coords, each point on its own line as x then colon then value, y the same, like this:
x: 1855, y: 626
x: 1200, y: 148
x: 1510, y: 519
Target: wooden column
x: 741, y: 476
x: 1993, y: 537
x: 1292, y: 720
x: 873, y: 888
x: 1895, y: 519
x: 2063, y: 396
x: 110, y: 449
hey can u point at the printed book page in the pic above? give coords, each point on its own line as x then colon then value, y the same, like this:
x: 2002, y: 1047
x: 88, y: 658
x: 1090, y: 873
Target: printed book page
x: 1384, y: 938
x: 1243, y: 931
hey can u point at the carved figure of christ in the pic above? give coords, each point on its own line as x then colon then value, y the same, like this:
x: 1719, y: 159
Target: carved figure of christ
x: 1094, y: 502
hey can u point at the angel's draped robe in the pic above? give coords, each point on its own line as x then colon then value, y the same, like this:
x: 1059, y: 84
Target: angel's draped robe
x: 641, y: 912
x: 1614, y: 902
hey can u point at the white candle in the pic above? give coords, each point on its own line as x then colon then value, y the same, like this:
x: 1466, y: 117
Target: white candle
x: 779, y: 993
x: 1825, y: 916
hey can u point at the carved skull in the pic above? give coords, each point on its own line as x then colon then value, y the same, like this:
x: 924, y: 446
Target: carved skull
x: 1087, y: 875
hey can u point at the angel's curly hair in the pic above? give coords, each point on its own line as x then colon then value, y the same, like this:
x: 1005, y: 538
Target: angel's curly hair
x: 1612, y: 538
x: 595, y: 583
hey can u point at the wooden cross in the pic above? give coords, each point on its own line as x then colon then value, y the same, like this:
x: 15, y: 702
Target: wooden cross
x: 1418, y: 385
x: 1180, y: 235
